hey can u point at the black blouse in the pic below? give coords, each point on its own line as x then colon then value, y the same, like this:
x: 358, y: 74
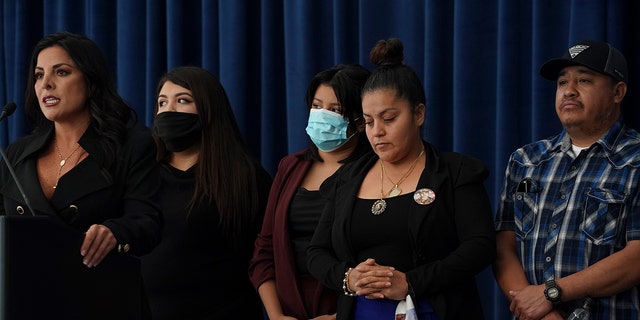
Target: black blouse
x: 383, y: 237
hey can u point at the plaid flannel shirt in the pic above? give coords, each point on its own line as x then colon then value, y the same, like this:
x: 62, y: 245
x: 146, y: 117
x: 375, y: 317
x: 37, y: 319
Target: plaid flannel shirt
x: 570, y: 211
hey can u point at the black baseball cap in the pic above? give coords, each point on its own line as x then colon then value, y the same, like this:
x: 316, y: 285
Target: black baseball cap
x: 598, y: 56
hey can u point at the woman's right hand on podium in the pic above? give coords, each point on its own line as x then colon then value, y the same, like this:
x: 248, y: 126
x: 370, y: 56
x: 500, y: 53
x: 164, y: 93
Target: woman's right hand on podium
x: 98, y: 242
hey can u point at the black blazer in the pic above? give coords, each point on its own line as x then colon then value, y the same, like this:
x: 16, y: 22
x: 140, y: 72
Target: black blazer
x: 122, y: 199
x: 452, y: 238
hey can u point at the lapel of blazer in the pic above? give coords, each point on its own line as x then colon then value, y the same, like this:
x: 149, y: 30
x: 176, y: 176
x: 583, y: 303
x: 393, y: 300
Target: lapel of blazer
x: 293, y: 174
x: 433, y: 176
x: 345, y: 197
x: 87, y: 177
x: 26, y: 171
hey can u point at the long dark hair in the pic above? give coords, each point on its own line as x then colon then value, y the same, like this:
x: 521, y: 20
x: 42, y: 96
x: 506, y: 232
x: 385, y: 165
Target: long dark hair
x: 347, y: 81
x: 109, y: 112
x: 225, y: 172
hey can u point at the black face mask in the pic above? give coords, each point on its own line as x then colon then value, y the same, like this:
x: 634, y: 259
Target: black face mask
x: 178, y: 130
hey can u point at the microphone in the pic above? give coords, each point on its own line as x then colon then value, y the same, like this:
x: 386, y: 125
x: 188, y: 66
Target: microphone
x: 7, y: 110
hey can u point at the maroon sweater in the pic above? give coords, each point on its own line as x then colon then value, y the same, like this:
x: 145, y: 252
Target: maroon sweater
x: 273, y: 257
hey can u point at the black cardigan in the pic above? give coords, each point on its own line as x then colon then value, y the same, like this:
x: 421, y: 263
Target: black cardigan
x: 452, y: 238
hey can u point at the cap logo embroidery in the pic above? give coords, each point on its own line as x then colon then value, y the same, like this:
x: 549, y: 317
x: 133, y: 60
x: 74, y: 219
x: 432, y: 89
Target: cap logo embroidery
x: 575, y: 50
x: 618, y: 73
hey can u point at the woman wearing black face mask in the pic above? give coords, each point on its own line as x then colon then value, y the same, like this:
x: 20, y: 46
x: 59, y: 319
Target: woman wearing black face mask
x: 177, y: 130
x: 213, y: 199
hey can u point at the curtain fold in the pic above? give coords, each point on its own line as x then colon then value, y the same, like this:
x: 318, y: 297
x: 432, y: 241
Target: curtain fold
x: 478, y: 61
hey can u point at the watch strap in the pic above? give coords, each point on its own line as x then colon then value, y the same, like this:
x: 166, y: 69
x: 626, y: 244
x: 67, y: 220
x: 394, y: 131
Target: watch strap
x: 549, y: 284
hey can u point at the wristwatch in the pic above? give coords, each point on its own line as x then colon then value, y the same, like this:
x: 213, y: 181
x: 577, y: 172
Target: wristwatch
x: 552, y: 292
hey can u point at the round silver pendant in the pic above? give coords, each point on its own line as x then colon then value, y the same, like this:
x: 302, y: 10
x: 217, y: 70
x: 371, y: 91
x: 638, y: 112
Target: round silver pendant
x: 424, y: 196
x: 378, y: 207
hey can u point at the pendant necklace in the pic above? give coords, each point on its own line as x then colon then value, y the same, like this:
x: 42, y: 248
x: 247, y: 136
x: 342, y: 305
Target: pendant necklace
x: 380, y: 205
x: 396, y: 190
x: 63, y: 161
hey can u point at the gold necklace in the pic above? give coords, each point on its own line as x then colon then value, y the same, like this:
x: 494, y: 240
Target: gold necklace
x: 380, y: 205
x: 396, y: 190
x: 63, y: 161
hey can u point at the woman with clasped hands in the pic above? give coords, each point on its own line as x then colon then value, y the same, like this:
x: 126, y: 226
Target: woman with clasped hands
x: 406, y: 224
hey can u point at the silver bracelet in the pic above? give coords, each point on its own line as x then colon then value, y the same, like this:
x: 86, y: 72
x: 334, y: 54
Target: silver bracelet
x: 345, y: 284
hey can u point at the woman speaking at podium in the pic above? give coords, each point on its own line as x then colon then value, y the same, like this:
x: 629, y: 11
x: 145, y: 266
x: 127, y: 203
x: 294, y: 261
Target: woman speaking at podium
x: 87, y: 163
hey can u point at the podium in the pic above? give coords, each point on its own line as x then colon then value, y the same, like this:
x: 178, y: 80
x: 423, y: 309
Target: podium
x: 42, y: 275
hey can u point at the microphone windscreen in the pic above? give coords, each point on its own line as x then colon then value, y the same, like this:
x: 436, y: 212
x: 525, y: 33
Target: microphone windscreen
x: 9, y: 108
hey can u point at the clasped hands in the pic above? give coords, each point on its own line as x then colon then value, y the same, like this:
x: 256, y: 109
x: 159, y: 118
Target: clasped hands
x: 529, y: 303
x: 375, y: 281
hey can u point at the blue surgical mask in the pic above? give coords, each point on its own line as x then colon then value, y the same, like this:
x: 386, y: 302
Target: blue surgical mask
x: 327, y: 129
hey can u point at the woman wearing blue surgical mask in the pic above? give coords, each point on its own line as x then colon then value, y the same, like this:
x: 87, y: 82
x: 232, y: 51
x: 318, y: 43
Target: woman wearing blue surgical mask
x: 336, y: 128
x: 328, y: 128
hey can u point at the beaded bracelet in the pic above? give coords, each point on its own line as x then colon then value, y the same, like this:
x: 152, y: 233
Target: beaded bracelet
x: 345, y: 284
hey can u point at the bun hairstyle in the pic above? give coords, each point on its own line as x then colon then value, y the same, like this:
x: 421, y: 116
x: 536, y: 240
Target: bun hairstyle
x: 387, y: 53
x: 392, y: 74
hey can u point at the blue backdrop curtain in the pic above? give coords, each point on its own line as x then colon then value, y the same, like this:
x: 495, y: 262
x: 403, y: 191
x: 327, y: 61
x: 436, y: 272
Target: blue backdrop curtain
x: 478, y: 61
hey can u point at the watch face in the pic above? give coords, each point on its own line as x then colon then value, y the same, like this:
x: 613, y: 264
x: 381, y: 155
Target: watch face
x: 552, y: 293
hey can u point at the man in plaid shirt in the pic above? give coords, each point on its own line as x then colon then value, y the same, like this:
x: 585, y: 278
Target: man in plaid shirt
x: 569, y: 216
